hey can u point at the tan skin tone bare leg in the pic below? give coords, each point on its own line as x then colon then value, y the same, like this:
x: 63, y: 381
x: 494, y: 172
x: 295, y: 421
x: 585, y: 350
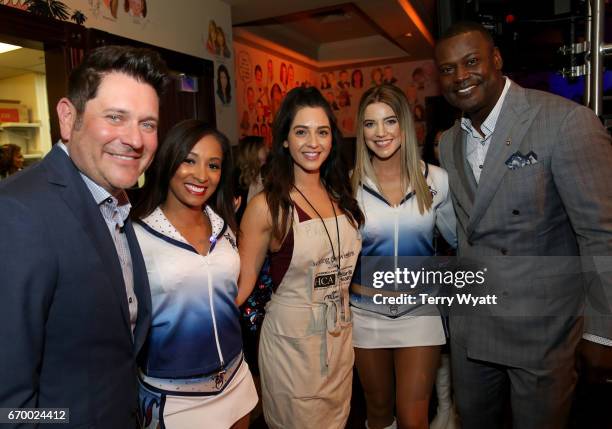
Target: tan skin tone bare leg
x: 375, y: 369
x: 415, y: 372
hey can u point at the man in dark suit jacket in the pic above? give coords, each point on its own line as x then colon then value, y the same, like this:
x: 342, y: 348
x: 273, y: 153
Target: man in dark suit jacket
x: 74, y: 297
x: 530, y: 178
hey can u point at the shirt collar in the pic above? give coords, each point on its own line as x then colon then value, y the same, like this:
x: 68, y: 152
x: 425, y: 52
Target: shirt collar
x: 101, y: 196
x: 158, y: 221
x: 488, y: 125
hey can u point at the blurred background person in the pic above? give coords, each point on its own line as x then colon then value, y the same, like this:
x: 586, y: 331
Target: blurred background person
x: 11, y: 159
x: 252, y: 154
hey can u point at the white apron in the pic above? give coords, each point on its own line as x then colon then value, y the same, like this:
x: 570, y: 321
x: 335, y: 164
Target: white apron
x: 305, y: 351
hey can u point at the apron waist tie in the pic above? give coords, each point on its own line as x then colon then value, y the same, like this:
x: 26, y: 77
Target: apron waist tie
x: 331, y: 315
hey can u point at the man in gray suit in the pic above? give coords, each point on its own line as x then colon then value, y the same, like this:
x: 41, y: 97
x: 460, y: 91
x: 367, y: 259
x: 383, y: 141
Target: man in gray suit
x: 531, y: 180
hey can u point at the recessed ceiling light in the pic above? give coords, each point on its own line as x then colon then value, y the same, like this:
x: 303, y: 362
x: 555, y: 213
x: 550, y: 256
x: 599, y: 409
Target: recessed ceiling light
x: 5, y: 47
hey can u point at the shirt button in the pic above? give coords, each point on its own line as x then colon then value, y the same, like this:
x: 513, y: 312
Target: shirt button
x: 109, y: 200
x: 516, y: 212
x: 130, y: 300
x: 480, y: 166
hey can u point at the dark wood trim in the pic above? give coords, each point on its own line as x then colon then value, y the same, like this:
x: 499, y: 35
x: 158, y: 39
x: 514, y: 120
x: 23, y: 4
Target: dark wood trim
x: 252, y: 44
x: 245, y: 41
x: 25, y: 26
x: 350, y: 7
x: 176, y: 60
x: 372, y: 63
x: 296, y: 16
x: 378, y: 28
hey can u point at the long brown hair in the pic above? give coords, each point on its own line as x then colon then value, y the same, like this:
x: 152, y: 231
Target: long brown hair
x: 410, y: 160
x: 279, y: 178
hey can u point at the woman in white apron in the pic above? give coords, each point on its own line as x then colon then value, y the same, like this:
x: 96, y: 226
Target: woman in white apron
x: 308, y: 220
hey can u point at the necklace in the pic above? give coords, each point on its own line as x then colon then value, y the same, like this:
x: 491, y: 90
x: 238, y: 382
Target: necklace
x: 331, y: 243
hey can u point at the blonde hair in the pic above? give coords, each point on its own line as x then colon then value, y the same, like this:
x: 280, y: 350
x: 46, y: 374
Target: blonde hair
x: 411, y: 166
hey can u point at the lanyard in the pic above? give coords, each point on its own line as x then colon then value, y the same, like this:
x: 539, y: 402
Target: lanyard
x: 331, y: 243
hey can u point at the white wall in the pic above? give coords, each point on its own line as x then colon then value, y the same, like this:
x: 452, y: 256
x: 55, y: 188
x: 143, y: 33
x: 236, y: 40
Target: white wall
x: 30, y: 90
x: 181, y: 26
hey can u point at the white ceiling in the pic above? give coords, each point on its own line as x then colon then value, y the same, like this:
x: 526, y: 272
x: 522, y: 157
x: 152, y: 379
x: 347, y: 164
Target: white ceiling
x: 326, y: 33
x: 21, y: 61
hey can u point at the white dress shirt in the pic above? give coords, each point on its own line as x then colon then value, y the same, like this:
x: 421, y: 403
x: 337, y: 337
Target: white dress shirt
x: 477, y: 145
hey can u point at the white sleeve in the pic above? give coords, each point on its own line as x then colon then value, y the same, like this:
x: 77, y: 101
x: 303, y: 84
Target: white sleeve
x: 446, y: 222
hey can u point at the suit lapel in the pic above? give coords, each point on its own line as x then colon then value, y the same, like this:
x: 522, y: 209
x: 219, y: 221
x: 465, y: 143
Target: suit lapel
x: 514, y: 120
x: 87, y: 214
x: 465, y: 193
x: 141, y: 288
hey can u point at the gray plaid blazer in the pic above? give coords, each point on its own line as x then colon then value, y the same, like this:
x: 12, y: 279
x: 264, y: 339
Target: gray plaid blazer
x: 541, y: 217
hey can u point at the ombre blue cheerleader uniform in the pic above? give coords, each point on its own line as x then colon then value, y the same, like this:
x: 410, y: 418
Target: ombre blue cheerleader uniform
x: 389, y: 234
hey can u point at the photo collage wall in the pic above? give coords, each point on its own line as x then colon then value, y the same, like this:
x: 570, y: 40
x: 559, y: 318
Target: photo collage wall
x: 262, y: 81
x: 344, y: 87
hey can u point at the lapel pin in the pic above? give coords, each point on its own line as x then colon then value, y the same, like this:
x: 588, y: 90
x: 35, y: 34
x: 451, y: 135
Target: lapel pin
x: 508, y: 142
